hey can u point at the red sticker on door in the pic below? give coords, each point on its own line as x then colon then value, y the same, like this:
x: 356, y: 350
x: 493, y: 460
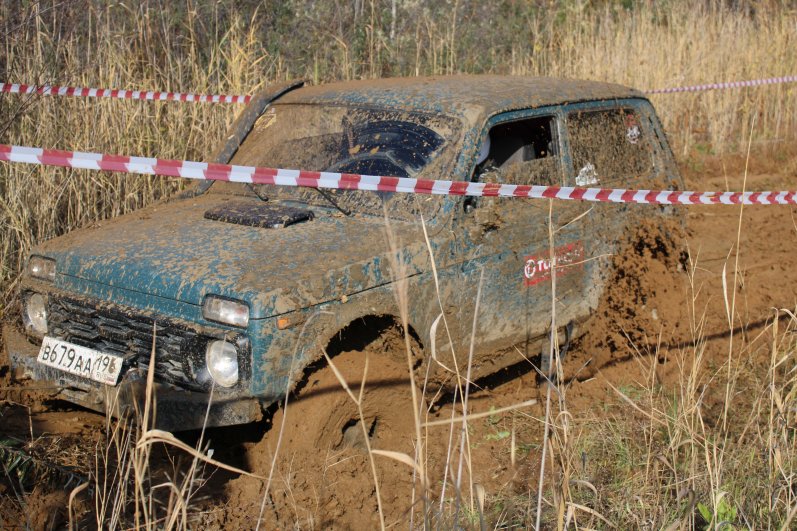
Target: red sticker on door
x: 569, y: 259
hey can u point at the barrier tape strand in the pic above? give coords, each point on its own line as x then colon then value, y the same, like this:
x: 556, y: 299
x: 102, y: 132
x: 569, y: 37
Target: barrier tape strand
x: 726, y: 85
x: 348, y: 181
x: 150, y: 95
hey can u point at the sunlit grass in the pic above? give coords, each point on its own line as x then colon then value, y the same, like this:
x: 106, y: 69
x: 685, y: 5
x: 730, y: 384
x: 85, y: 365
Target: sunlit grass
x: 652, y: 458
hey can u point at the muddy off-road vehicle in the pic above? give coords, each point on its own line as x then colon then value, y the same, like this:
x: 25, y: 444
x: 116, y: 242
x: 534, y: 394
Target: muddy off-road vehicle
x: 243, y: 286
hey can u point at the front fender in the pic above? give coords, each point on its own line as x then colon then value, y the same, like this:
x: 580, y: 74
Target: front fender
x: 281, y: 355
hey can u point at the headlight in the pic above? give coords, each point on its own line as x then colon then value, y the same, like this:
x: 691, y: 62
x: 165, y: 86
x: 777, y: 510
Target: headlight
x: 221, y: 358
x: 42, y: 268
x: 35, y: 314
x: 226, y: 311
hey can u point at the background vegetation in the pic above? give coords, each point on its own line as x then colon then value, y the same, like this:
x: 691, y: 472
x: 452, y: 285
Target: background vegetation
x: 236, y: 47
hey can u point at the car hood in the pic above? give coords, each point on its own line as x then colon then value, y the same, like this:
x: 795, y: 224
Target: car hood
x: 171, y: 250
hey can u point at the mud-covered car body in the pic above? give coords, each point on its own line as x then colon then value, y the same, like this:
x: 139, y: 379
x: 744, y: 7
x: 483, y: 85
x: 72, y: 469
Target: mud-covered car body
x: 312, y: 270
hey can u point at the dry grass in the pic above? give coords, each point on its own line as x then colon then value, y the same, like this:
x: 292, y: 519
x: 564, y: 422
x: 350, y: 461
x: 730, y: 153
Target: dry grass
x: 659, y: 457
x: 219, y: 49
x: 654, y: 458
x: 110, y: 48
x: 657, y: 463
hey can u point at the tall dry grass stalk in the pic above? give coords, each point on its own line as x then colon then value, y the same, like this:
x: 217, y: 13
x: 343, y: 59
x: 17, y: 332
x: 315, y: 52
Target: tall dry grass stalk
x: 234, y: 48
x: 128, y: 484
x: 661, y: 465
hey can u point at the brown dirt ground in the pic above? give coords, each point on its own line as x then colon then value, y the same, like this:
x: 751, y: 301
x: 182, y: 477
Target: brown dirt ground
x: 641, y: 328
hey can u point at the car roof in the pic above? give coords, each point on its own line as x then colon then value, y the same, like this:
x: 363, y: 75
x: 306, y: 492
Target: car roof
x: 473, y: 97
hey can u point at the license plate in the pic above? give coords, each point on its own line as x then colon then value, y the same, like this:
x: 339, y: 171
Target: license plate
x: 82, y: 361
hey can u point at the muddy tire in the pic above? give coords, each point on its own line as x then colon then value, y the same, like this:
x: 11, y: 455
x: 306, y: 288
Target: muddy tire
x: 323, y: 474
x: 325, y: 416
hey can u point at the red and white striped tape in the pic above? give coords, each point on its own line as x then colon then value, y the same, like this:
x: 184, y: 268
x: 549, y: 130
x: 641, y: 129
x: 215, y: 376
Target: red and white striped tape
x: 150, y: 95
x: 54, y: 90
x: 727, y: 85
x: 348, y: 181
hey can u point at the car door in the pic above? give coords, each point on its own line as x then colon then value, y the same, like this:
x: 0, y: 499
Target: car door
x: 507, y: 241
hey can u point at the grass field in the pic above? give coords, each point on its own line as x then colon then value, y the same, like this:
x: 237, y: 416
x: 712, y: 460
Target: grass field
x: 685, y: 452
x: 218, y: 48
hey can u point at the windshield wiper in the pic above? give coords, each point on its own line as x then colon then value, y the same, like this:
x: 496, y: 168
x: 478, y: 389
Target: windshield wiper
x: 259, y: 196
x: 334, y: 203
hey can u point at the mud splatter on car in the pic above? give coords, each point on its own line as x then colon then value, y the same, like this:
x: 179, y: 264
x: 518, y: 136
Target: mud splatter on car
x: 230, y: 280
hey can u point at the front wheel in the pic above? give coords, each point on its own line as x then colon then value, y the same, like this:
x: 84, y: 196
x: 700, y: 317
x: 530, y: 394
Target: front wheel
x: 323, y: 473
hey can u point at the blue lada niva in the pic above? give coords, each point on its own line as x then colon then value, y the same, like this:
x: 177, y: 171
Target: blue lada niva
x: 240, y: 288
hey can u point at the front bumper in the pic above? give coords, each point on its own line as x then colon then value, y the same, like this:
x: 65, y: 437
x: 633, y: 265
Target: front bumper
x: 176, y: 409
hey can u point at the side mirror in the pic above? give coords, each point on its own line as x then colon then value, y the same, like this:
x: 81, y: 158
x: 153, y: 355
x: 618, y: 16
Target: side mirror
x: 483, y: 216
x: 493, y: 175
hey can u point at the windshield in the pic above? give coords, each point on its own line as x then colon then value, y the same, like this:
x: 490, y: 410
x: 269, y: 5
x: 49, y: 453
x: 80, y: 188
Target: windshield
x: 350, y: 140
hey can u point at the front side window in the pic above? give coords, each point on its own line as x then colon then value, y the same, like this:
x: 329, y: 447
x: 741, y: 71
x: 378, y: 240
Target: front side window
x: 608, y: 146
x: 521, y: 152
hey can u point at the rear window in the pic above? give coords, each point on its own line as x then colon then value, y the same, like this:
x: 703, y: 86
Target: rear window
x: 609, y: 146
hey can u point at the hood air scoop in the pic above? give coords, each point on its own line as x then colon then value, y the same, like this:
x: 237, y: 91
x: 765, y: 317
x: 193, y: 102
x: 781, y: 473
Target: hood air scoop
x: 265, y: 215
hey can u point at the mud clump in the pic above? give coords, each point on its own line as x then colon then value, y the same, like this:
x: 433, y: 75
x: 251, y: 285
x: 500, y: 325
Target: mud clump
x: 643, y: 297
x: 47, y: 510
x: 41, y: 509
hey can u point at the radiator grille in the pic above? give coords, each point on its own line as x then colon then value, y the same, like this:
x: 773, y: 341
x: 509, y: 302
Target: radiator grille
x: 179, y: 350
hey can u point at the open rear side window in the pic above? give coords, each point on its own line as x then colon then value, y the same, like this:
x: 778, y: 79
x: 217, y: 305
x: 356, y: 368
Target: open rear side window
x: 609, y: 146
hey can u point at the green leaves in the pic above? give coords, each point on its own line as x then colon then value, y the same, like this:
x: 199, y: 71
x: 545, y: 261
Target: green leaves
x: 725, y: 513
